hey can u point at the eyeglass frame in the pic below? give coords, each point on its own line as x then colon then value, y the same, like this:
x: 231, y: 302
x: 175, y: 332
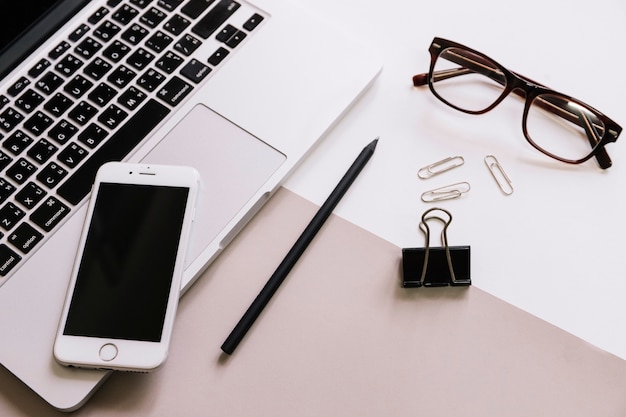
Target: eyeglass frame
x: 523, y: 86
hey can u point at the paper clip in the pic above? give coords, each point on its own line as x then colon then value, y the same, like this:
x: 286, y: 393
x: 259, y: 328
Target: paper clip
x: 437, y: 266
x: 503, y: 180
x: 448, y: 192
x: 440, y: 166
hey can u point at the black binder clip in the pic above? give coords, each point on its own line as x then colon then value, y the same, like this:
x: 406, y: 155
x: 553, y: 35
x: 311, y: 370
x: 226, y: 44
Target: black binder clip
x: 436, y: 266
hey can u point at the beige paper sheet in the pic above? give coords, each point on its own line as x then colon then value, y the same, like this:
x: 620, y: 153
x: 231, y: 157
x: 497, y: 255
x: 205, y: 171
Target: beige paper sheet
x: 342, y: 338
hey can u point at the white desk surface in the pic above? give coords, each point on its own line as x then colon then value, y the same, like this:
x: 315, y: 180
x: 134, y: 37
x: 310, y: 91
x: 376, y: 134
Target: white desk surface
x: 554, y: 248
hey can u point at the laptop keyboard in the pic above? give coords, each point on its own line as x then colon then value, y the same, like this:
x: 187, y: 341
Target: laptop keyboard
x: 94, y: 97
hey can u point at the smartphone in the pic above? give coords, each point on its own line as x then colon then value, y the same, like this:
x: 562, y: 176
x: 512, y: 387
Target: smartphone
x: 125, y: 284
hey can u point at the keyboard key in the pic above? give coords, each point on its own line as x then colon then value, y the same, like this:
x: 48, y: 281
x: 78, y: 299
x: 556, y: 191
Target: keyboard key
x: 132, y: 98
x: 79, y: 32
x: 18, y: 86
x: 51, y: 175
x: 226, y: 33
x: 49, y: 214
x: 169, y: 5
x: 121, y: 76
x: 158, y: 42
x: 215, y: 18
x: 10, y: 118
x: 194, y: 8
x: 253, y: 22
x: 59, y: 50
x: 169, y: 62
x: 8, y: 260
x: 58, y: 104
x: 236, y: 39
x: 10, y: 215
x: 141, y: 3
x: 49, y: 82
x: 218, y: 56
x: 6, y: 189
x: 92, y: 135
x: 25, y: 237
x: 176, y: 25
x: 187, y: 44
x: 30, y: 195
x: 88, y: 48
x: 72, y: 155
x: 112, y: 116
x: 42, y: 151
x: 153, y: 17
x: 125, y: 14
x: 106, y: 31
x: 97, y: 68
x: 102, y: 94
x: 62, y: 132
x: 174, y: 91
x: 5, y: 160
x: 231, y: 36
x: 78, y: 86
x: 116, y: 51
x: 21, y: 171
x: 4, y: 100
x: 135, y: 34
x: 78, y: 185
x: 82, y: 113
x: 38, y: 123
x: 17, y: 142
x: 29, y: 100
x: 98, y: 15
x: 140, y: 59
x: 39, y: 68
x: 150, y: 80
x: 195, y: 71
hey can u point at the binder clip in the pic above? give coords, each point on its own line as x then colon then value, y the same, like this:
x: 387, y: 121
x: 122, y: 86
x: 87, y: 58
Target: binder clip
x: 436, y: 266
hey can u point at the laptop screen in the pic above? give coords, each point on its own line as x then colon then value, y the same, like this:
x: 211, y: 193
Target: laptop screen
x: 28, y: 24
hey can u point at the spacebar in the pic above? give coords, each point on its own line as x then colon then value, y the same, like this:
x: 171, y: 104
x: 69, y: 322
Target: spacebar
x: 115, y: 149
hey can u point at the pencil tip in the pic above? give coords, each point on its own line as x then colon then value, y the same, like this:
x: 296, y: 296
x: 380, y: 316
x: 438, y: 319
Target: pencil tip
x: 374, y: 143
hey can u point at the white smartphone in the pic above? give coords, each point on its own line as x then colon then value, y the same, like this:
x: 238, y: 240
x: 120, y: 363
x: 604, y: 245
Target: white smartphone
x: 124, y: 288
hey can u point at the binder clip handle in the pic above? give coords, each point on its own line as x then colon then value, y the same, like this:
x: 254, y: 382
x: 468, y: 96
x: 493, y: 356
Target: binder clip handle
x: 436, y: 266
x: 444, y: 239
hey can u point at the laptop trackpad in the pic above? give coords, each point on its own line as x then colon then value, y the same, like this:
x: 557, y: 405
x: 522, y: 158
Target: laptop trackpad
x: 233, y: 165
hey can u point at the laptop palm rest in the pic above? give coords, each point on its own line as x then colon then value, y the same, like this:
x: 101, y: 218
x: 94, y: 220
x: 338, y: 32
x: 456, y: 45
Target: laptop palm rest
x: 233, y: 165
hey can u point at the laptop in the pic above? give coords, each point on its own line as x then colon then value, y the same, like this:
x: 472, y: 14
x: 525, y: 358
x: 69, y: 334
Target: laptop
x: 241, y: 90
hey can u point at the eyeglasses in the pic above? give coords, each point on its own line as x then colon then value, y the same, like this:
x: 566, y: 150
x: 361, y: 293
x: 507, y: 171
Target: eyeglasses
x: 559, y: 126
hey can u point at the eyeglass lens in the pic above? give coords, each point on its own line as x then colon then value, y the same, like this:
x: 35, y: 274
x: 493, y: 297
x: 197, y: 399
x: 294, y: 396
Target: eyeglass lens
x: 563, y: 127
x: 555, y: 124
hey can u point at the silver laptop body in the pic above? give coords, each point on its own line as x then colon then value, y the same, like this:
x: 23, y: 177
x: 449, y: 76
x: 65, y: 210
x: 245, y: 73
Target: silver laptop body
x: 244, y: 123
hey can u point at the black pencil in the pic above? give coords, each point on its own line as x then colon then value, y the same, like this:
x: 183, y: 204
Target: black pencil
x: 297, y: 250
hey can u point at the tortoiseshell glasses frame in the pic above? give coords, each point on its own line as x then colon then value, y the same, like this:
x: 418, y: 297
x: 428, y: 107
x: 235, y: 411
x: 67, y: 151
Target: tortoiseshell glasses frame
x: 552, y: 122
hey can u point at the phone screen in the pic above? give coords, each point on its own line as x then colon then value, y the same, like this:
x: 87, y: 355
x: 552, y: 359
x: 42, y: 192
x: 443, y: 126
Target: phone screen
x: 125, y: 273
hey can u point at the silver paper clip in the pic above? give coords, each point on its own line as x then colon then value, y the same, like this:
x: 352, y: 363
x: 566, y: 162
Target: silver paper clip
x: 503, y: 180
x: 440, y: 166
x: 447, y: 192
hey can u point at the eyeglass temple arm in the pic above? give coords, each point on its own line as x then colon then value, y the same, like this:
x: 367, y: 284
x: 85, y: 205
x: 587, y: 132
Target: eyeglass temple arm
x: 469, y: 66
x: 592, y: 135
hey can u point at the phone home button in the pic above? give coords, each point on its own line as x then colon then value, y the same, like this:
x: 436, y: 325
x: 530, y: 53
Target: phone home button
x: 108, y: 352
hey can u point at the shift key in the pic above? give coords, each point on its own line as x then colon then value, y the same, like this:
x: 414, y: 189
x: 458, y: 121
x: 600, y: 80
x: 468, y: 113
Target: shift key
x: 215, y: 18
